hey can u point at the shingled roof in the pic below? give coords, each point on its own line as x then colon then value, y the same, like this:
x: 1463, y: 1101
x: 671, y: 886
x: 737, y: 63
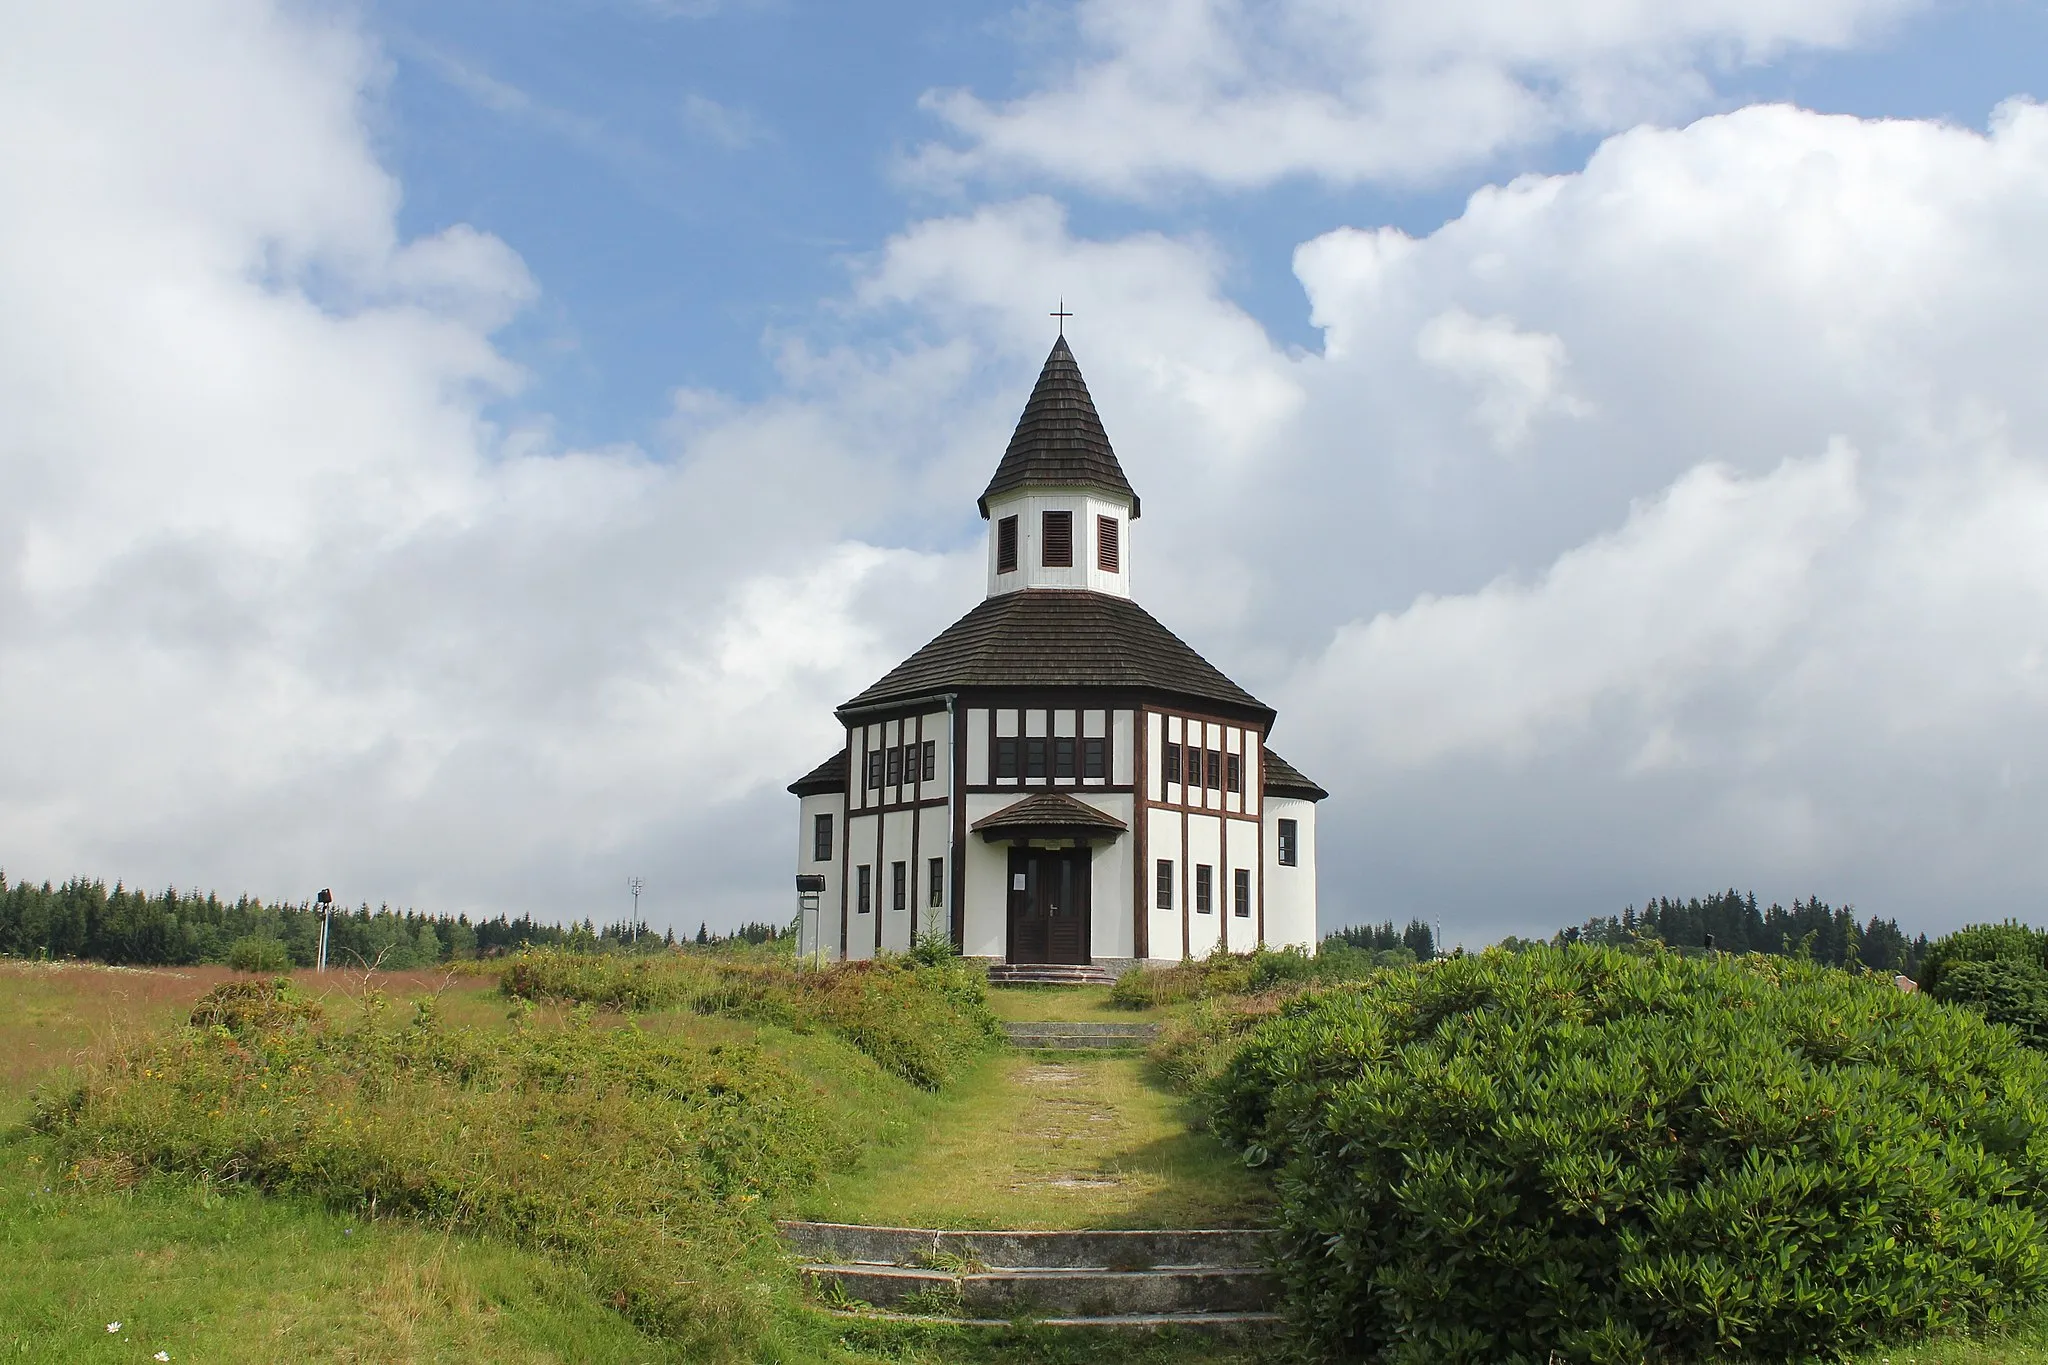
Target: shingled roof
x: 1047, y: 814
x: 1057, y: 638
x: 1059, y: 441
x: 827, y: 777
x: 1281, y: 778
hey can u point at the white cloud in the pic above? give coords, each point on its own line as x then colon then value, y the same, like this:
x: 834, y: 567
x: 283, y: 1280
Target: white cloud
x: 721, y: 125
x: 1518, y: 375
x: 1242, y: 94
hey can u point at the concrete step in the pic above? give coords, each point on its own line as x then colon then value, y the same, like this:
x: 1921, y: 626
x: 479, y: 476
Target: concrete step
x: 1066, y: 1035
x: 1231, y: 1325
x: 1052, y: 1292
x: 1136, y: 1249
x: 1049, y: 974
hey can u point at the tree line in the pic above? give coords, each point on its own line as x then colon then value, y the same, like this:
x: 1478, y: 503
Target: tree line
x: 83, y: 918
x: 1811, y: 928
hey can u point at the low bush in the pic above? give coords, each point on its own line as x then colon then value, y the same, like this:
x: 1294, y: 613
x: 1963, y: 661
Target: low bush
x: 1622, y: 1157
x: 259, y: 954
x: 1998, y: 970
x: 1258, y: 972
x: 644, y: 1160
x: 923, y: 1020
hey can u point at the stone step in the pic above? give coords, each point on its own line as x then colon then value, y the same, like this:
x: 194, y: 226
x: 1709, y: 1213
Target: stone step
x: 1051, y: 1292
x: 1065, y: 1036
x: 1048, y: 974
x: 1135, y: 1249
x: 1205, y: 1324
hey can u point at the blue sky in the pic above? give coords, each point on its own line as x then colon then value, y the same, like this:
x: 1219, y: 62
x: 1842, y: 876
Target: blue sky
x: 685, y: 183
x: 461, y: 454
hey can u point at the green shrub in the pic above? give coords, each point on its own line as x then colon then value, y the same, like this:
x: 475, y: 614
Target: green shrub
x: 240, y: 1005
x: 1620, y: 1157
x: 1260, y: 971
x: 646, y: 1161
x: 922, y: 1022
x: 1998, y: 970
x: 258, y: 954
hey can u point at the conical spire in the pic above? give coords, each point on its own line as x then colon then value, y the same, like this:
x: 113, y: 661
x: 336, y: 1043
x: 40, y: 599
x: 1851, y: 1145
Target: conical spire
x: 1059, y: 440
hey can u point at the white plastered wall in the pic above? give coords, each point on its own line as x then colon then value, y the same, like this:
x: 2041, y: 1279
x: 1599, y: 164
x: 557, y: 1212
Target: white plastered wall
x: 821, y: 926
x: 1291, y: 891
x: 1028, y: 506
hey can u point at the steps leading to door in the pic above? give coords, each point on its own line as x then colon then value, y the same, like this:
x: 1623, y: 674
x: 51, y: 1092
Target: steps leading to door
x: 1048, y: 974
x: 1206, y: 1279
x: 1075, y: 1037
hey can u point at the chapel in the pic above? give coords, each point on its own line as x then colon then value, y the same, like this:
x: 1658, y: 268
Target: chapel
x: 1057, y: 781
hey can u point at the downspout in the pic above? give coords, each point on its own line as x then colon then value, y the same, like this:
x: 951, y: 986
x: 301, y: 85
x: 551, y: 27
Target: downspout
x: 954, y: 768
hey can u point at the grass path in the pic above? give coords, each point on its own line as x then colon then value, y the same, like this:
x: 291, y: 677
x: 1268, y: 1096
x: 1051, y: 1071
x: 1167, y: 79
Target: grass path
x: 1036, y: 1142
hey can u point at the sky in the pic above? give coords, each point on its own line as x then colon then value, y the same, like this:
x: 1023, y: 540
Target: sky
x: 460, y: 455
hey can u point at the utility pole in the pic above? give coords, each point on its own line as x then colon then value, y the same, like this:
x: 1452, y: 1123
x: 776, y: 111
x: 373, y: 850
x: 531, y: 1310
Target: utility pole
x: 325, y: 900
x: 634, y: 884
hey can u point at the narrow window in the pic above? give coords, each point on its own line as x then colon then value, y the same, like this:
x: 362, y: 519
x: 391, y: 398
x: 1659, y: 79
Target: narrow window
x: 1203, y: 874
x: 1290, y: 843
x: 821, y: 839
x: 864, y: 882
x: 899, y: 887
x: 1233, y: 773
x: 1095, y: 759
x: 1006, y: 760
x: 1106, y: 550
x: 937, y: 883
x: 1215, y: 767
x: 1057, y: 532
x: 1241, y: 893
x: 1162, y: 885
x: 895, y: 767
x: 930, y: 764
x: 1172, y: 764
x: 1063, y: 758
x: 875, y: 768
x: 1006, y: 545
x: 1034, y: 759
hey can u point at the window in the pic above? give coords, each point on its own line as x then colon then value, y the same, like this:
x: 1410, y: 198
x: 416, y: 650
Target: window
x: 1173, y: 763
x: 1162, y: 884
x: 1006, y: 545
x: 1203, y: 876
x: 1106, y: 549
x: 899, y: 887
x: 1034, y: 759
x: 1241, y: 893
x: 929, y: 765
x: 1290, y: 843
x: 1233, y: 773
x: 1095, y: 759
x: 864, y: 882
x: 1216, y: 767
x: 821, y: 839
x: 1063, y: 758
x: 1006, y: 760
x: 875, y: 768
x: 895, y: 768
x: 1057, y: 540
x: 936, y: 883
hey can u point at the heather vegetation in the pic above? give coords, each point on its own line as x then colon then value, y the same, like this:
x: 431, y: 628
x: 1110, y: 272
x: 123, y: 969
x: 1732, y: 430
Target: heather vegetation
x: 1621, y: 1156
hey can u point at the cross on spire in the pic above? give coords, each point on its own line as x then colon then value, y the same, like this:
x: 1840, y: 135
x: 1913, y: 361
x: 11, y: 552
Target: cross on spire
x: 1062, y: 314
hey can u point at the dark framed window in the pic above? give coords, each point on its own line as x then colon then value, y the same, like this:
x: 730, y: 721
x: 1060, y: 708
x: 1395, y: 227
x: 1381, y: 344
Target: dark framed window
x: 1241, y: 893
x: 1108, y: 554
x: 1290, y: 843
x: 899, y: 887
x: 1006, y: 759
x: 1204, y: 877
x: 1216, y: 768
x: 1034, y: 759
x: 1233, y: 773
x: 1006, y: 545
x: 1172, y: 763
x: 821, y: 839
x: 864, y: 889
x: 1095, y: 759
x: 875, y: 768
x: 935, y: 883
x: 895, y: 767
x: 1056, y: 540
x: 929, y: 761
x: 1162, y: 884
x: 1063, y: 758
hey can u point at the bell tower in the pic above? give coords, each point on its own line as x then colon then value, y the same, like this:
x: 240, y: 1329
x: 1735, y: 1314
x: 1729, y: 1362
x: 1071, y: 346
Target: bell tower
x: 1059, y: 507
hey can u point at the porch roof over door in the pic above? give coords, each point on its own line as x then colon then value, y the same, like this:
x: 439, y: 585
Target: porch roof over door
x: 1048, y: 815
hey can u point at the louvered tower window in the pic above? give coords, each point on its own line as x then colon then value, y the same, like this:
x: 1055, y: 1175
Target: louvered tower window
x: 1058, y: 537
x: 1108, y: 554
x: 1006, y: 545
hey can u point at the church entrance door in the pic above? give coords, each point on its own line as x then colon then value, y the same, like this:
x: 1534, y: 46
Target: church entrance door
x: 1048, y: 905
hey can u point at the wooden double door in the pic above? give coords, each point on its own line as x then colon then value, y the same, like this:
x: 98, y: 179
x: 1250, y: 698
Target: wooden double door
x: 1049, y: 905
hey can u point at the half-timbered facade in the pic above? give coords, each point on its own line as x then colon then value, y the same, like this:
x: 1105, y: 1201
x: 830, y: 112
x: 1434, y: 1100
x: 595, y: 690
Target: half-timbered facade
x: 1057, y: 777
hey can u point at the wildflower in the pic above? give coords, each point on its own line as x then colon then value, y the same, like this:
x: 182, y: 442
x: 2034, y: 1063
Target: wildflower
x: 113, y: 1327
x: 161, y: 1355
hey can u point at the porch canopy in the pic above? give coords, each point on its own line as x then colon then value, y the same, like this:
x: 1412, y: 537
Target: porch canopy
x: 1048, y: 815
